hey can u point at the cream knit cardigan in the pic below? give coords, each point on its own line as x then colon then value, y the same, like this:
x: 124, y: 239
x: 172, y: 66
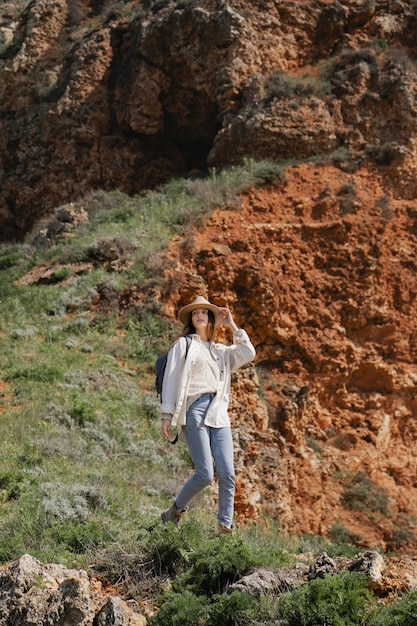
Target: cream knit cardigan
x: 178, y: 373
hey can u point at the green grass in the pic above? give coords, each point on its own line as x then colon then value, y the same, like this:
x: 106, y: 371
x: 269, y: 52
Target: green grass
x: 77, y: 399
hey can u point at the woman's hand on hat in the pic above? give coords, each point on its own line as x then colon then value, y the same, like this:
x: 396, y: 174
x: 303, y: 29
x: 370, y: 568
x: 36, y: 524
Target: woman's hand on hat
x: 228, y: 318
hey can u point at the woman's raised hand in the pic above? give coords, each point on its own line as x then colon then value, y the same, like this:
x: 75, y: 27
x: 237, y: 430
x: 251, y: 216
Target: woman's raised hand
x: 228, y: 318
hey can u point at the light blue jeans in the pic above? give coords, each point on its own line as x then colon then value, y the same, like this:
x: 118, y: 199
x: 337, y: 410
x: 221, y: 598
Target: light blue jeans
x: 207, y: 444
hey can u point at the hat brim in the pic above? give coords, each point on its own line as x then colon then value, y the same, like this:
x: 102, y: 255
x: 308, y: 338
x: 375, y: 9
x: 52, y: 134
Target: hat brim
x: 187, y: 310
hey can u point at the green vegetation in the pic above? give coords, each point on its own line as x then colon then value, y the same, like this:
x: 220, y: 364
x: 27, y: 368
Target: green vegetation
x: 403, y: 612
x: 360, y: 494
x: 84, y: 472
x: 381, y: 44
x: 341, y: 535
x: 83, y: 463
x: 342, y: 600
x: 281, y: 85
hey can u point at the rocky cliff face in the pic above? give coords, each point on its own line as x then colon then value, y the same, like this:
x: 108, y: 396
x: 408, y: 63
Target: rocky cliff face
x: 124, y: 95
x: 320, y: 268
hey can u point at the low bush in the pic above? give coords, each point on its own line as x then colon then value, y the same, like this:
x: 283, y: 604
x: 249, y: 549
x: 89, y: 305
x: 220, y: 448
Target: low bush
x: 403, y: 613
x: 182, y: 609
x: 10, y: 485
x: 41, y: 373
x: 216, y: 565
x: 342, y: 535
x: 170, y: 550
x: 342, y: 600
x: 8, y: 260
x: 79, y: 537
x: 282, y: 86
x: 83, y: 413
x: 360, y: 494
x: 187, y: 609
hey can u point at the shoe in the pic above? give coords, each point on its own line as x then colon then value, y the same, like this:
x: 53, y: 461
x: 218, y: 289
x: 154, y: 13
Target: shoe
x: 224, y: 530
x: 172, y: 515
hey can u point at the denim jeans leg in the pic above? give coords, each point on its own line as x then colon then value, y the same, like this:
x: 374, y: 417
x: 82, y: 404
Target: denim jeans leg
x: 198, y: 440
x: 222, y: 449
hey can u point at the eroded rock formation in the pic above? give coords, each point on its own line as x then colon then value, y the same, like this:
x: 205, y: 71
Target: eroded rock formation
x: 95, y: 95
x: 34, y: 593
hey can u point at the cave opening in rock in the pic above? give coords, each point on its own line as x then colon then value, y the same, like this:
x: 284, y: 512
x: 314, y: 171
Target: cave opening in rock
x: 191, y: 123
x: 195, y: 153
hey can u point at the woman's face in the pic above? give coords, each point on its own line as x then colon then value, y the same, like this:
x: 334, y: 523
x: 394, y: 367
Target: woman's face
x: 199, y: 318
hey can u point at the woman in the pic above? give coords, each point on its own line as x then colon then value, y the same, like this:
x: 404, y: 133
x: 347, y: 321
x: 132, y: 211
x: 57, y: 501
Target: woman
x: 195, y: 398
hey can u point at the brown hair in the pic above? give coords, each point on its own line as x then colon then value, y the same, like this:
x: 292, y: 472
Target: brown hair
x: 189, y: 329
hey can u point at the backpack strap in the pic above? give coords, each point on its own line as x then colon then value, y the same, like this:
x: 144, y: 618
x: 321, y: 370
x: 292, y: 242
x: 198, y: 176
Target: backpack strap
x: 188, y: 340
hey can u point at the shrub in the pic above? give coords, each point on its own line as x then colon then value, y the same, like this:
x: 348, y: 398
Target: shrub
x: 11, y: 546
x: 7, y: 260
x: 360, y: 494
x: 341, y: 600
x: 353, y: 57
x: 399, y: 57
x: 146, y: 450
x: 403, y: 613
x: 265, y: 172
x: 77, y: 298
x: 232, y: 610
x: 79, y: 537
x: 381, y: 44
x: 204, y: 565
x: 169, y: 550
x: 188, y: 609
x: 384, y: 154
x: 341, y: 534
x: 217, y: 564
x: 10, y: 485
x: 70, y: 502
x: 23, y: 333
x: 82, y: 413
x: 403, y: 532
x: 182, y: 609
x: 282, y: 86
x: 41, y: 373
x: 348, y: 199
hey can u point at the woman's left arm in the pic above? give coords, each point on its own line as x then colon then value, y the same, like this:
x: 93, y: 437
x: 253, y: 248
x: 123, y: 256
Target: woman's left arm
x: 228, y: 319
x: 242, y: 351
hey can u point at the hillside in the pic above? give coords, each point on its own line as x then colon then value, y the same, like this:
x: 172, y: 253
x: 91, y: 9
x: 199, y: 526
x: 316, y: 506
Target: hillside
x: 85, y: 473
x: 318, y: 263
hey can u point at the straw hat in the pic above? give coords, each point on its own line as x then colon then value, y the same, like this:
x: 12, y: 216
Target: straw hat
x: 201, y: 303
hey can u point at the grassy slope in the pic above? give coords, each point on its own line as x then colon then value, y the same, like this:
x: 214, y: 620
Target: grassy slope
x: 83, y: 459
